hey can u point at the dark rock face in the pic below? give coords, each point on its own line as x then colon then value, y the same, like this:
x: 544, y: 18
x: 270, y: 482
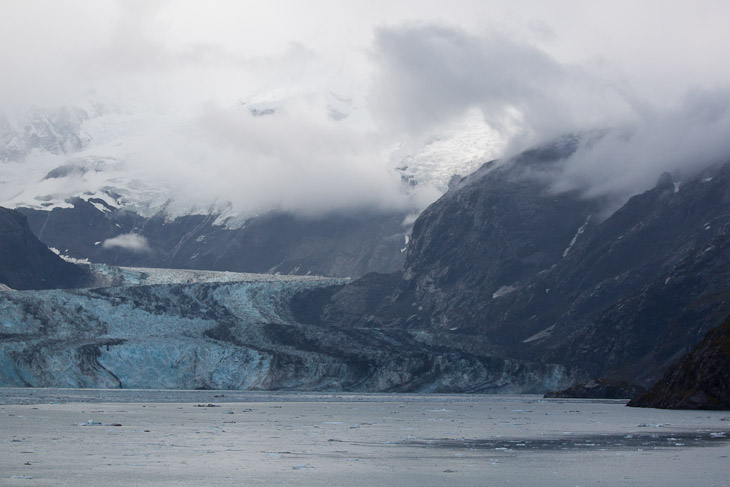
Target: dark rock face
x: 479, y: 242
x: 25, y: 263
x: 599, y: 389
x: 502, y: 266
x: 342, y: 245
x: 651, y: 281
x: 700, y: 380
x: 486, y: 239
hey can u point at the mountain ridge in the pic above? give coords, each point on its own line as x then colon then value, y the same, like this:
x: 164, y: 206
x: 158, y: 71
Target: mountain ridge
x: 25, y: 263
x: 593, y: 295
x: 698, y: 380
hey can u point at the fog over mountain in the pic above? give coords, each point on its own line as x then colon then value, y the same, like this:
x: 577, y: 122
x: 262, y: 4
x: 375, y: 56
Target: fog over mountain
x: 308, y: 108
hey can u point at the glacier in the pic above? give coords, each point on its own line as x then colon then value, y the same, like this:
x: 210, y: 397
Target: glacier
x: 173, y: 329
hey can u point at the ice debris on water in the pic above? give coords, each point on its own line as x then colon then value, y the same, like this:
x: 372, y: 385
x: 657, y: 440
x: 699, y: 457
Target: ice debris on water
x: 91, y: 422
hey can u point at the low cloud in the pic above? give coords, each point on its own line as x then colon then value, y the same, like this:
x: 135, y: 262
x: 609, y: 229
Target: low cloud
x: 128, y: 241
x: 682, y: 140
x: 188, y: 69
x: 296, y: 159
x: 428, y: 74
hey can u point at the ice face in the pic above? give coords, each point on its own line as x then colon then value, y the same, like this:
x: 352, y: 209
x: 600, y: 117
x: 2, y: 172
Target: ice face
x: 145, y: 335
x: 175, y: 329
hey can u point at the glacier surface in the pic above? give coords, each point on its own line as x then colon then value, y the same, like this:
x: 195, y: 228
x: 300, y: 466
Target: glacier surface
x: 172, y: 329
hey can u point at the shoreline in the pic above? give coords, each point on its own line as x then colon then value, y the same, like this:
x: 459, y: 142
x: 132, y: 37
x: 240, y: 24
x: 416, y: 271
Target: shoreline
x: 60, y: 395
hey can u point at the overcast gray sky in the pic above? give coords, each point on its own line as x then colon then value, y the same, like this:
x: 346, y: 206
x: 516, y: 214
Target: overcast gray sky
x: 659, y: 47
x: 657, y: 70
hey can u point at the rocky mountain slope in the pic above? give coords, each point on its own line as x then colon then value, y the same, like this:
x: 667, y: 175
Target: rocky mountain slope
x: 502, y: 265
x: 338, y: 244
x: 700, y: 380
x: 25, y: 263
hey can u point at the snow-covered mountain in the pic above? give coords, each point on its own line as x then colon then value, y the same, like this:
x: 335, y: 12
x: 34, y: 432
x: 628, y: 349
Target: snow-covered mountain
x: 84, y: 175
x: 56, y: 131
x: 50, y: 156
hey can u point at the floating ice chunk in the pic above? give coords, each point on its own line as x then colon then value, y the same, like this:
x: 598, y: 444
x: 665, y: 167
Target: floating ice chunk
x: 91, y: 422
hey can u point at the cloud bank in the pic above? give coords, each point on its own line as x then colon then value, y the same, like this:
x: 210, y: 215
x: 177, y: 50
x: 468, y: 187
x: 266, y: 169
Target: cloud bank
x: 428, y: 74
x: 343, y: 90
x: 683, y: 140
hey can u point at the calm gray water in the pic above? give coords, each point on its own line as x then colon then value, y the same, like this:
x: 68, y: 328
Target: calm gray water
x: 141, y: 437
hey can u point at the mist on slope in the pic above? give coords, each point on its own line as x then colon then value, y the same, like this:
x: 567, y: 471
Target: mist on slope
x: 431, y: 73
